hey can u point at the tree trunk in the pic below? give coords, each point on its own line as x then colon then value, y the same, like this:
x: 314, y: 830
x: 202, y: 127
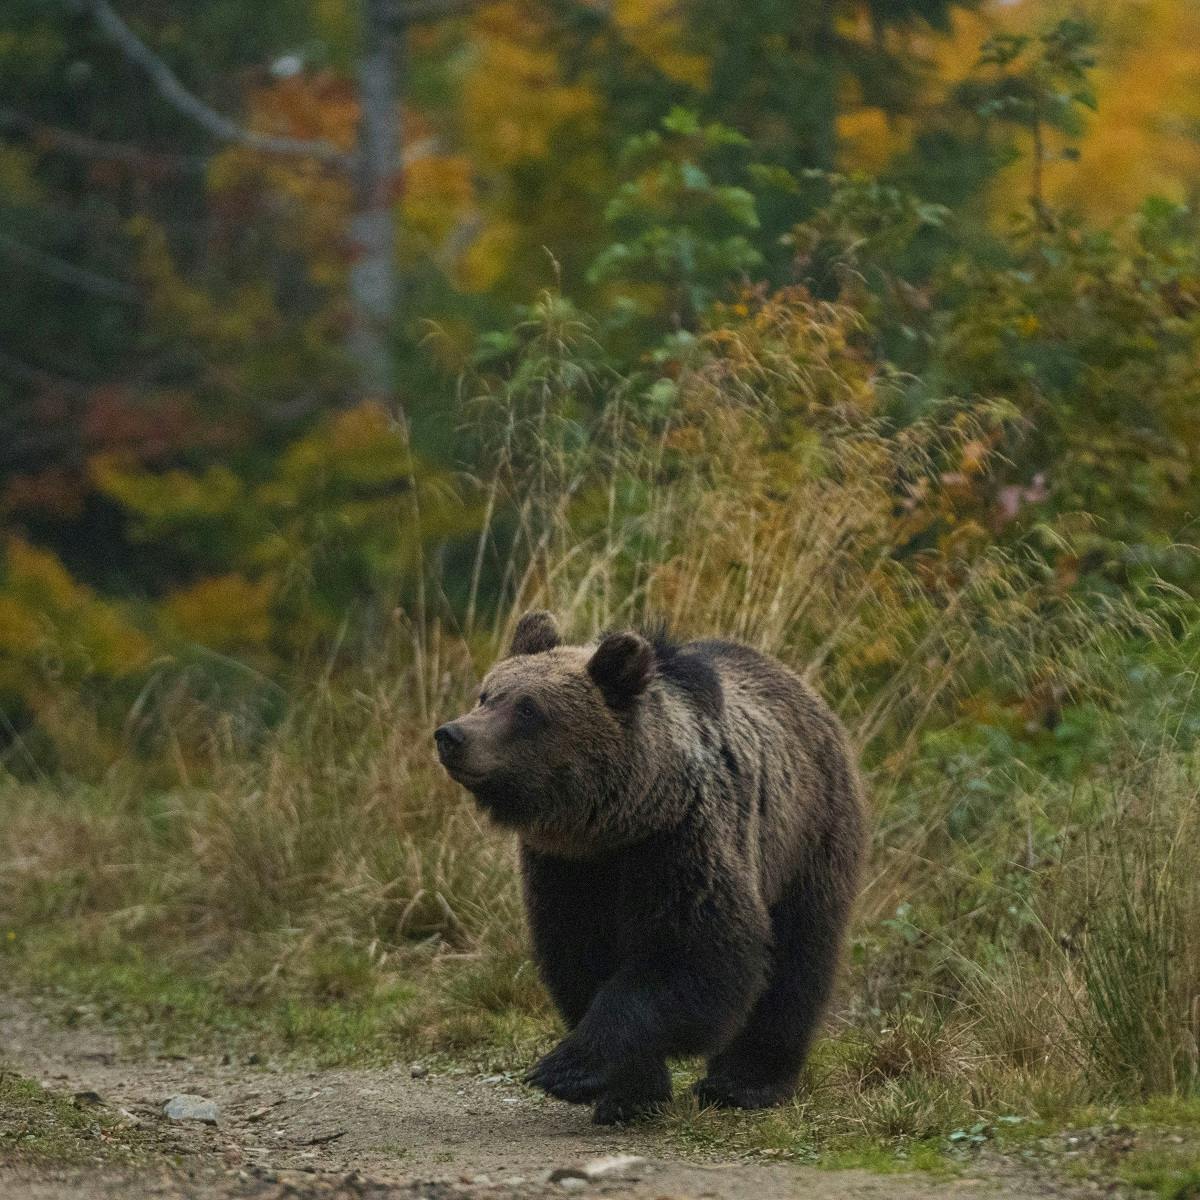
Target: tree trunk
x: 374, y: 284
x: 825, y: 101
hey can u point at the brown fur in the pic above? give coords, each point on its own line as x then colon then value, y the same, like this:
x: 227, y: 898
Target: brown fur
x: 691, y: 826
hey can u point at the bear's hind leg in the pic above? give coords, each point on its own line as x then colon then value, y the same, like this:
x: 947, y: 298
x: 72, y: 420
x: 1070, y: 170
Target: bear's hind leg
x: 762, y: 1065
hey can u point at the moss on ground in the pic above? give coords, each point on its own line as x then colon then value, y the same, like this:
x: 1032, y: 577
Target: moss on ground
x: 39, y: 1127
x: 323, y: 1011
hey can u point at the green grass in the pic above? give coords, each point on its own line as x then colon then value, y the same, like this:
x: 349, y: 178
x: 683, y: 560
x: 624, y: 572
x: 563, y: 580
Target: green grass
x: 471, y: 1010
x: 1178, y: 1178
x: 43, y: 1127
x: 1154, y: 1147
x: 833, y: 1140
x: 928, y: 1157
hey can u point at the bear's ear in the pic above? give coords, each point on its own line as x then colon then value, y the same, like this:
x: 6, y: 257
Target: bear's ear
x: 622, y: 667
x: 535, y: 633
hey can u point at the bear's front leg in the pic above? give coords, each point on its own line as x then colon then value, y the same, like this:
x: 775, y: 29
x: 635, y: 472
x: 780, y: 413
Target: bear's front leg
x: 568, y: 917
x: 622, y: 1090
x: 684, y: 999
x: 571, y: 1072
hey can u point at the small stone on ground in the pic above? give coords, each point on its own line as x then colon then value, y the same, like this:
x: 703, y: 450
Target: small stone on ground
x: 185, y: 1107
x: 613, y: 1166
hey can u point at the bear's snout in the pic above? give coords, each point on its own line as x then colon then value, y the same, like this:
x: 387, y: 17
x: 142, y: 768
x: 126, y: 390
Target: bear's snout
x: 449, y: 739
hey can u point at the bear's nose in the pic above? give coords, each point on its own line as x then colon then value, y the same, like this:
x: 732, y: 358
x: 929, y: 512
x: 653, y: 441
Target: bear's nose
x: 449, y: 738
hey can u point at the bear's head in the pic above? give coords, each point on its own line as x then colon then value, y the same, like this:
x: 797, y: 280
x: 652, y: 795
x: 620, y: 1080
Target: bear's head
x: 559, y: 746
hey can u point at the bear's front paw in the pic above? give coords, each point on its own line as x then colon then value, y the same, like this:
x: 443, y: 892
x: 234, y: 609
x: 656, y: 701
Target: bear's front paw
x: 569, y: 1073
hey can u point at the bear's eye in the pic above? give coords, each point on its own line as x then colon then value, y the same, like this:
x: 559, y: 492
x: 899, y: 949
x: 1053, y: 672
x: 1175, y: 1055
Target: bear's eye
x: 527, y: 710
x: 483, y: 696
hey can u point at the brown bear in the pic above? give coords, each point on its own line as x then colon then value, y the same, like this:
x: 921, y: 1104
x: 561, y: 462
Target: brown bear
x: 691, y: 826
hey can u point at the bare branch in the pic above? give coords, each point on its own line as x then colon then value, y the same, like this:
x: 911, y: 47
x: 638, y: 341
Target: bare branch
x: 65, y: 272
x: 169, y: 87
x: 82, y: 146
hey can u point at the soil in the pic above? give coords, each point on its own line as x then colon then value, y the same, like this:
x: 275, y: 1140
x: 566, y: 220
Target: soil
x: 393, y: 1132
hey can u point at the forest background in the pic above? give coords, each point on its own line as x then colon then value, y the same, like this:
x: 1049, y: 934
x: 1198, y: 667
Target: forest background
x: 334, y: 335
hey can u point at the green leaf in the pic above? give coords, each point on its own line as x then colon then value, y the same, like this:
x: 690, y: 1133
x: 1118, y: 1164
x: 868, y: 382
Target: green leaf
x: 681, y: 120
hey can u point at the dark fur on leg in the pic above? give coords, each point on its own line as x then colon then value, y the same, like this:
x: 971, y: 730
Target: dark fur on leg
x: 761, y: 1066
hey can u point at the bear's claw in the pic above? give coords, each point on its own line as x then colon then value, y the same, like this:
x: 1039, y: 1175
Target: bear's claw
x: 566, y: 1075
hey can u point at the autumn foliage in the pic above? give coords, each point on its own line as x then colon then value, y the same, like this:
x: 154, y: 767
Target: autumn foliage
x: 891, y: 236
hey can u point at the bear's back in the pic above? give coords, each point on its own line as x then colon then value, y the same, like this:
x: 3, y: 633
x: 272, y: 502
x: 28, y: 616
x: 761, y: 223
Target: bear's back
x: 789, y: 788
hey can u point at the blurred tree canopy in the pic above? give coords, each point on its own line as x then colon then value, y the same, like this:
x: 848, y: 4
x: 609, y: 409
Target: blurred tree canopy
x: 252, y: 252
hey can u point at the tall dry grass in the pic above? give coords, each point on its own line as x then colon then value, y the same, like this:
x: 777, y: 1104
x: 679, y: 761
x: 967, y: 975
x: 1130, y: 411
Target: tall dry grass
x: 1137, y: 962
x: 757, y: 492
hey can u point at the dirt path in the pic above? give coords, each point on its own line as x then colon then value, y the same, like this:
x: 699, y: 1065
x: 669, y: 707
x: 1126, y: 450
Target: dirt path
x: 382, y: 1133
